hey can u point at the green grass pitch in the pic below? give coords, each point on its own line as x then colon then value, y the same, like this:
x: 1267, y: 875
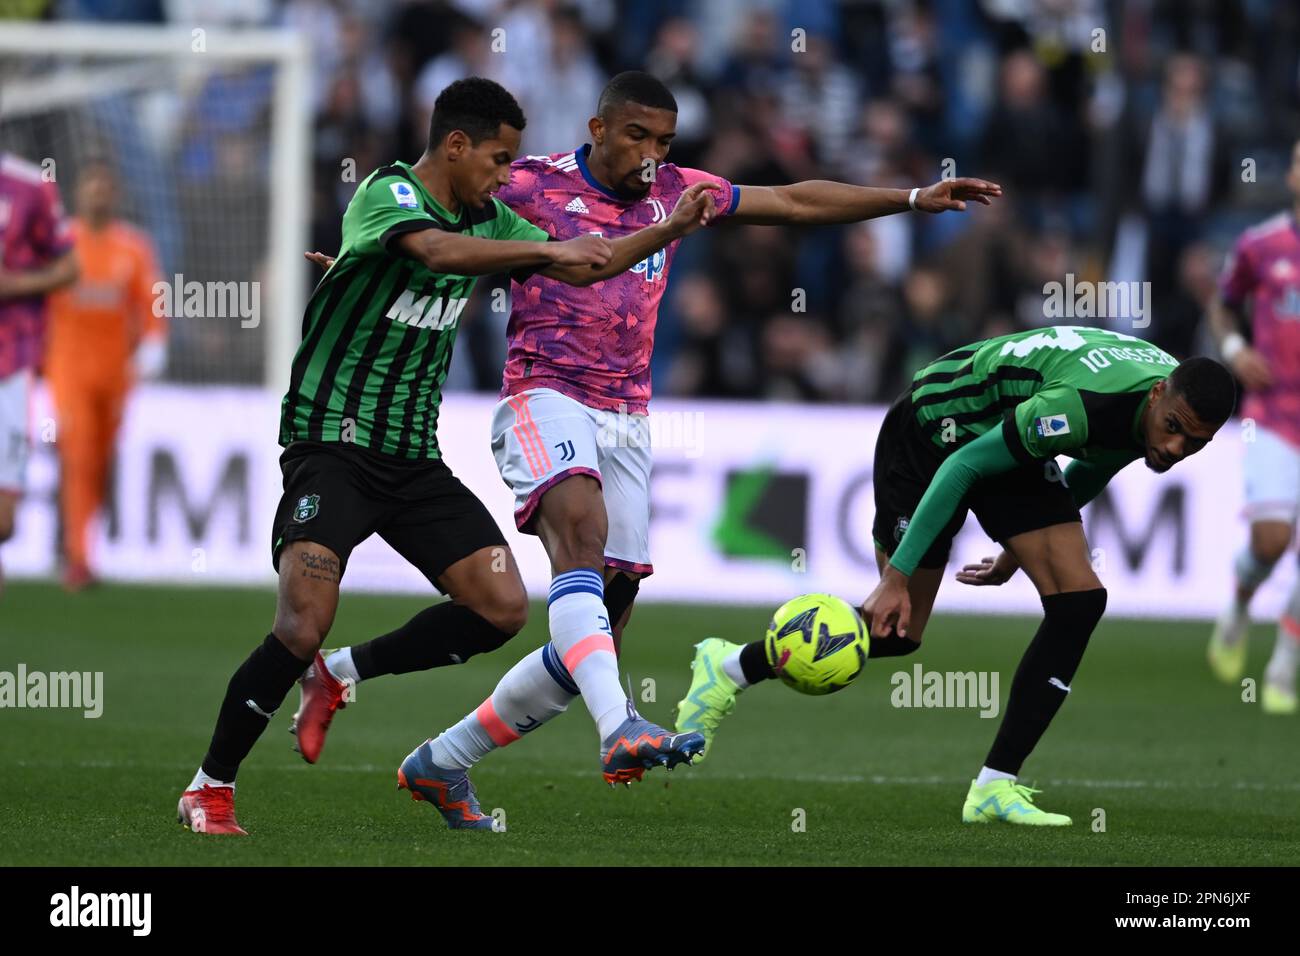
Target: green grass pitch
x: 1184, y: 770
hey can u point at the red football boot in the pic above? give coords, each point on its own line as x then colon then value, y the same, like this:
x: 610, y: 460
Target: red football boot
x: 322, y: 695
x: 209, y: 810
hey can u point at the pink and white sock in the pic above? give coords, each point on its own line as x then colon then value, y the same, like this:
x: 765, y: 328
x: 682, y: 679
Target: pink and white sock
x: 531, y: 693
x: 580, y: 631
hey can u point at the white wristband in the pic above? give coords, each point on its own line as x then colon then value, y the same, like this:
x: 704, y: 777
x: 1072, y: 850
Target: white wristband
x: 911, y: 200
x: 1233, y: 344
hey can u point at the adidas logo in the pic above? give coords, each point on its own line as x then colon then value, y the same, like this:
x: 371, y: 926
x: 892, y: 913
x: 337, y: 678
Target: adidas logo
x: 577, y: 205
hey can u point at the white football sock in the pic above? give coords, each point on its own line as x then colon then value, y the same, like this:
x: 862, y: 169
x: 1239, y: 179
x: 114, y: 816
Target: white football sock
x: 580, y: 631
x: 731, y: 667
x: 1251, y: 573
x: 340, y: 665
x: 1233, y: 623
x: 1286, y: 652
x: 202, y: 780
x: 988, y: 776
x: 531, y: 693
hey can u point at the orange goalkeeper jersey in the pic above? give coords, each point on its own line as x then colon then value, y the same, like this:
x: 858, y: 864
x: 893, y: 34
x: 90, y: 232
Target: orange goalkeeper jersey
x: 96, y: 324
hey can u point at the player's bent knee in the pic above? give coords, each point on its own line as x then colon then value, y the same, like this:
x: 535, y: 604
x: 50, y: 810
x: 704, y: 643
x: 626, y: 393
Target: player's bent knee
x: 1269, y: 543
x: 299, y: 635
x: 302, y: 630
x: 508, y: 613
x: 483, y: 634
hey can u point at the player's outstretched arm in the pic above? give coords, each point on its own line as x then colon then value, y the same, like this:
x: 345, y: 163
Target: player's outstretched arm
x: 449, y: 253
x: 887, y: 608
x: 59, y: 273
x: 821, y: 202
x: 694, y: 209
x: 581, y: 261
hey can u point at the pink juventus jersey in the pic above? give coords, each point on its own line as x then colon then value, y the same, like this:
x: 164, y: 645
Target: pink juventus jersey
x: 1264, y: 268
x: 33, y: 233
x: 592, y: 344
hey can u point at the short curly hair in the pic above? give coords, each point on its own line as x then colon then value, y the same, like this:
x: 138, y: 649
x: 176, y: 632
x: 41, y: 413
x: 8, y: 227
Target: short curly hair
x: 634, y: 86
x: 477, y: 107
x: 1207, y: 387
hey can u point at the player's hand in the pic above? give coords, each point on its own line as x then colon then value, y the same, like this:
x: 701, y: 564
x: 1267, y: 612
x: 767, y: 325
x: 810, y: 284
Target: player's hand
x: 594, y: 251
x: 1251, y: 367
x: 322, y: 260
x: 993, y: 571
x: 695, y: 208
x: 150, y: 358
x: 888, y: 608
x: 953, y: 194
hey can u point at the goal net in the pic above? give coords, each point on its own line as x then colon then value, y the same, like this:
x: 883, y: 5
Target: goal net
x: 208, y: 132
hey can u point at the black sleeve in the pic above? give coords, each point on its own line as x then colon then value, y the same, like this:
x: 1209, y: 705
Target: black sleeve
x: 389, y: 239
x: 1011, y: 435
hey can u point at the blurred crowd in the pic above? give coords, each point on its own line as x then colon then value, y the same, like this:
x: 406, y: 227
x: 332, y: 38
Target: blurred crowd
x: 1134, y: 138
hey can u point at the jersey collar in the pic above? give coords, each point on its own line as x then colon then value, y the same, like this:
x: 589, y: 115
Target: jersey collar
x: 432, y: 206
x: 580, y: 155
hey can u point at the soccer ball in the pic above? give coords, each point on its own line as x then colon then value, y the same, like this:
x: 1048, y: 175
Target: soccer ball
x: 816, y: 643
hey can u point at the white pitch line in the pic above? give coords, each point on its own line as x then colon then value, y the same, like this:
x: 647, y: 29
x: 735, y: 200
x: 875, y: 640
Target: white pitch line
x: 870, y: 779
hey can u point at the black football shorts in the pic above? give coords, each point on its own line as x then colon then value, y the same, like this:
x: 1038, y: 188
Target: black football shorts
x: 1027, y: 498
x: 339, y: 494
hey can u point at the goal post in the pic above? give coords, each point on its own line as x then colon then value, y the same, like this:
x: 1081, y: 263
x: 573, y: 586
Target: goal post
x: 210, y: 132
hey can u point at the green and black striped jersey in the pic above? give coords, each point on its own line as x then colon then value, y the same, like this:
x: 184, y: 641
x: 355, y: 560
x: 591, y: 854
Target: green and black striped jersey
x: 378, y: 331
x: 1068, y: 390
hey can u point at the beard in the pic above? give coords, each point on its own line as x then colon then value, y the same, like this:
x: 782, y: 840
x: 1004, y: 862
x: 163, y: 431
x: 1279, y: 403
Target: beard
x: 625, y: 191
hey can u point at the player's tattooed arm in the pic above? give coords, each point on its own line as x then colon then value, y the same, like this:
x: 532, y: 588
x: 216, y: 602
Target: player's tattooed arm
x: 695, y: 208
x: 821, y: 202
x: 319, y: 567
